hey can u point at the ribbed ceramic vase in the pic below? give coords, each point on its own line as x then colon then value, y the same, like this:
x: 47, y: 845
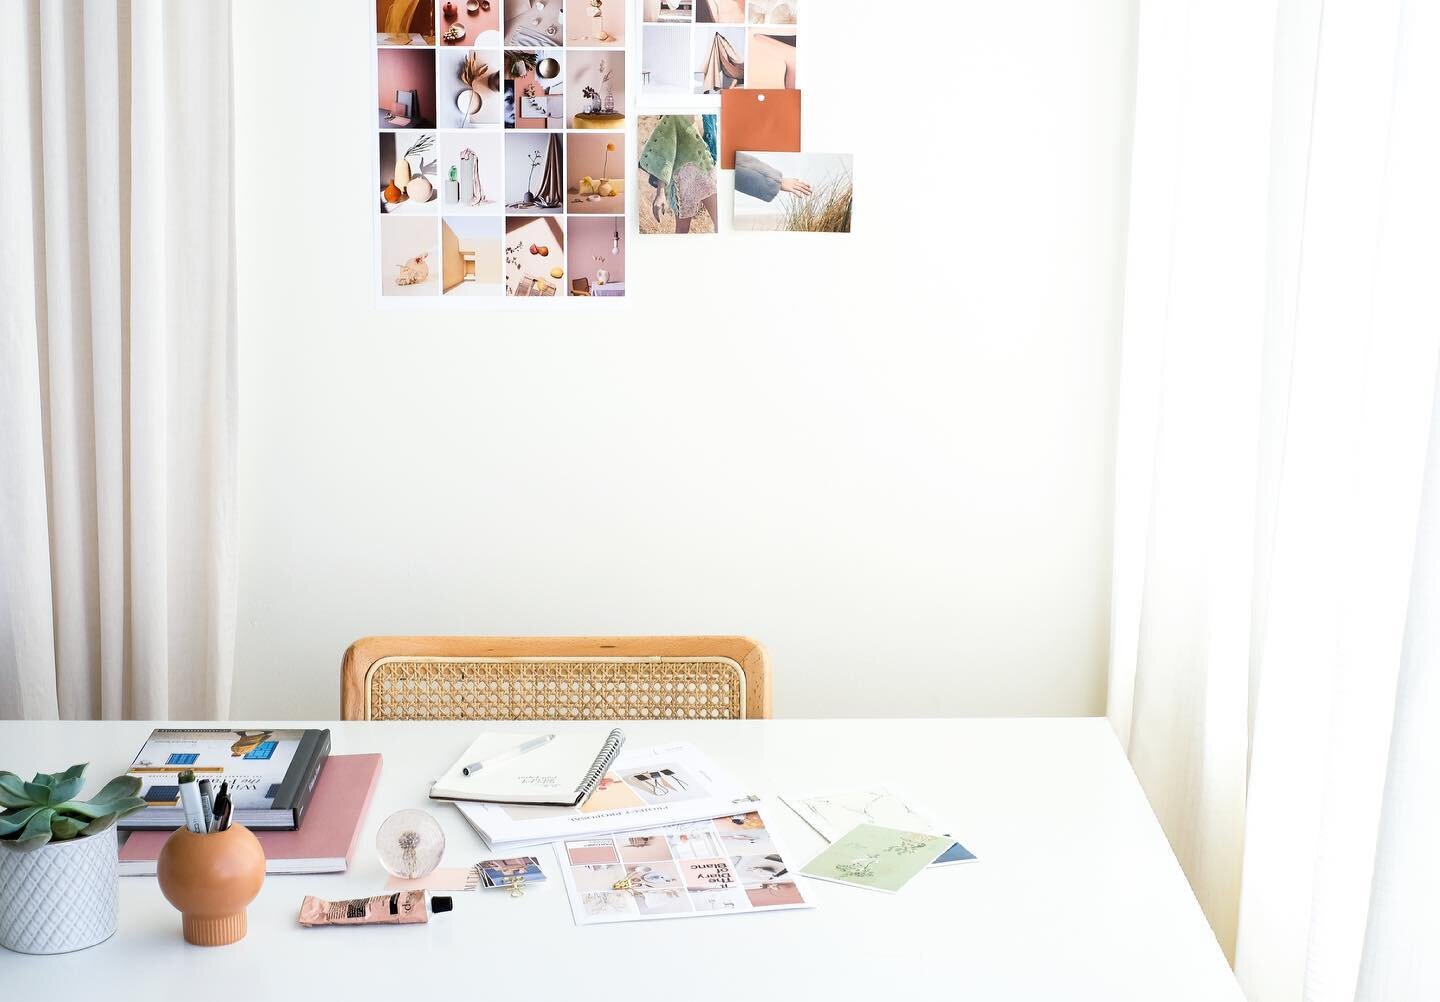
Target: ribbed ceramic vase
x: 61, y: 897
x: 211, y: 879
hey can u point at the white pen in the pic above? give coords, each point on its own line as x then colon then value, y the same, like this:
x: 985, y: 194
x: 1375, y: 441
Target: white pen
x: 505, y: 756
x: 190, y: 802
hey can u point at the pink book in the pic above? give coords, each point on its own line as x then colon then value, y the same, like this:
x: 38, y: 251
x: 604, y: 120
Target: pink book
x: 325, y: 841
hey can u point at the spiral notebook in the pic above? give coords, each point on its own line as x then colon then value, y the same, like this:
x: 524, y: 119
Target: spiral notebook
x: 562, y: 773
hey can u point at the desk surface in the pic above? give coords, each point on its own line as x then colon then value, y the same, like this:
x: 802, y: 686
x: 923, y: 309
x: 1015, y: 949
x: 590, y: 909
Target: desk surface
x: 1076, y: 894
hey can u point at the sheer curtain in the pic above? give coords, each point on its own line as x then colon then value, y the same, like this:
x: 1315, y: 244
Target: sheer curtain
x: 117, y: 360
x: 1278, y: 383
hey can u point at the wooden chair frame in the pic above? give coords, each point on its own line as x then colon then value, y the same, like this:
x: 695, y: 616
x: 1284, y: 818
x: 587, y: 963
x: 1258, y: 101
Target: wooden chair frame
x: 363, y: 655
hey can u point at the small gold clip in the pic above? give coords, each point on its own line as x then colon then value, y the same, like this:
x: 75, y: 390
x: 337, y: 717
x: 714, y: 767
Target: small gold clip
x: 622, y: 884
x: 517, y: 886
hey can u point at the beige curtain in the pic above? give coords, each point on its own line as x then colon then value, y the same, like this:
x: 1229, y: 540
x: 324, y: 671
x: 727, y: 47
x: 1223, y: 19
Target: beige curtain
x: 552, y: 180
x: 723, y: 67
x: 117, y: 360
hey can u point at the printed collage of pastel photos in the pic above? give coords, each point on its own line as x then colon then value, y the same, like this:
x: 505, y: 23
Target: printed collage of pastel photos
x: 500, y: 148
x: 692, y: 47
x: 724, y: 866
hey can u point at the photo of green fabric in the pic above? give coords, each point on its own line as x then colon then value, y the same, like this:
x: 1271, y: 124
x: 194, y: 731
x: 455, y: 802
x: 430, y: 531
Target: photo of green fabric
x: 674, y: 144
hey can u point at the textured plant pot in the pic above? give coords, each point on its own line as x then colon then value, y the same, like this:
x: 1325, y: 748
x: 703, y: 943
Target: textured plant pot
x: 210, y: 879
x: 61, y: 897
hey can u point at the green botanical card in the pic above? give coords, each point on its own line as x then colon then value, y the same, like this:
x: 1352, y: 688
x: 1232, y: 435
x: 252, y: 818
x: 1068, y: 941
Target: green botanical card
x: 883, y: 859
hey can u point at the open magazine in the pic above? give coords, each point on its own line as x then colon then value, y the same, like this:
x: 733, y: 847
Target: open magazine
x: 646, y: 788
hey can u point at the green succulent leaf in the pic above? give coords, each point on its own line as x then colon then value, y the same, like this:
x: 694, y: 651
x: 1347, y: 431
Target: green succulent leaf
x: 39, y: 793
x: 37, y: 831
x: 14, y: 820
x: 63, y: 827
x: 123, y: 807
x: 12, y: 791
x: 68, y: 784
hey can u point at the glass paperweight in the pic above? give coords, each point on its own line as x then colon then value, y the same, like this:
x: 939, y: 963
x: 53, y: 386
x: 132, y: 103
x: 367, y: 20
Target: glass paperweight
x: 410, y: 844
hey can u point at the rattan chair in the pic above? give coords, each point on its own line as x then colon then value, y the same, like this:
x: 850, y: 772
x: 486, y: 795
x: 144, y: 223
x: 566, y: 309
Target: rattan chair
x: 554, y: 678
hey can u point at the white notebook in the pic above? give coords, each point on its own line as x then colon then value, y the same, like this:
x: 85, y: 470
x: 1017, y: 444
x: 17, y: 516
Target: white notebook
x: 562, y: 772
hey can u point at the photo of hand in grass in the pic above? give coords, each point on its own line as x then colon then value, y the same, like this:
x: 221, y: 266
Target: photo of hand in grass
x: 793, y: 192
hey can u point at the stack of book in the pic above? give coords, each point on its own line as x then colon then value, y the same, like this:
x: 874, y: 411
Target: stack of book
x: 305, y: 805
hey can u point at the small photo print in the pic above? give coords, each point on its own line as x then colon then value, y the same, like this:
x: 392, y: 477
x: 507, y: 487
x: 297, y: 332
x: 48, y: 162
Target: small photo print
x: 535, y: 260
x: 752, y: 871
x: 471, y: 93
x: 597, y: 268
x: 770, y: 61
x: 596, y: 23
x: 596, y: 85
x: 595, y: 173
x: 653, y: 876
x: 407, y: 88
x: 708, y: 874
x: 470, y: 175
x: 504, y: 872
x: 666, y: 783
x: 405, y: 22
x: 408, y: 173
x: 669, y: 11
x: 718, y: 901
x: 612, y: 794
x: 665, y: 62
x: 470, y: 24
x: 782, y: 893
x: 696, y: 843
x: 670, y: 902
x: 676, y: 176
x: 717, y: 59
x: 596, y: 879
x: 409, y: 256
x: 534, y: 173
x: 535, y: 89
x: 774, y: 11
x: 720, y: 11
x: 607, y: 904
x: 793, y: 192
x: 470, y: 256
x: 747, y: 842
x: 591, y: 852
x: 534, y: 24
x: 644, y: 849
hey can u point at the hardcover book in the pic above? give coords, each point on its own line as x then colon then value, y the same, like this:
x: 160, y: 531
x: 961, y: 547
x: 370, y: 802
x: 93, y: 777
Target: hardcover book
x: 270, y: 774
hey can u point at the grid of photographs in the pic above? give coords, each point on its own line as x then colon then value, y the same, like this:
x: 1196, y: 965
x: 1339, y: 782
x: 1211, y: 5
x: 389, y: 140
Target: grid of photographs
x: 500, y: 160
x: 725, y: 865
x: 703, y: 47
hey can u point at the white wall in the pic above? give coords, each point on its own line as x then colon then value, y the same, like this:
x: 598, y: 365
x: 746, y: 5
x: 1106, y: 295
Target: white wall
x: 888, y: 457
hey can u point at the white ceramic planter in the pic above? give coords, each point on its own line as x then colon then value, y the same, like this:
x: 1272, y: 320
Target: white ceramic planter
x: 61, y: 897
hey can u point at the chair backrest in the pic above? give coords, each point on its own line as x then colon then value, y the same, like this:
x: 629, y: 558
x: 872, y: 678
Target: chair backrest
x: 554, y: 678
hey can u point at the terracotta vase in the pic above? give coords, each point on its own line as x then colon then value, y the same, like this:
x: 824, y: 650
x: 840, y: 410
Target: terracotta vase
x: 393, y: 193
x: 211, y: 879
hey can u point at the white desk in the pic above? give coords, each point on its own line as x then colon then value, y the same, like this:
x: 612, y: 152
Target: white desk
x: 1075, y: 896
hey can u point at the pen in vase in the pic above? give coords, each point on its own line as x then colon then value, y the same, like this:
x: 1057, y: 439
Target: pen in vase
x: 207, y: 805
x: 190, y: 802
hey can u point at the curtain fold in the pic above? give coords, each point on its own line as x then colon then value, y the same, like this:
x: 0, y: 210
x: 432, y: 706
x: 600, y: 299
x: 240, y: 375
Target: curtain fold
x: 723, y: 67
x: 116, y: 239
x: 1278, y: 381
x: 552, y: 181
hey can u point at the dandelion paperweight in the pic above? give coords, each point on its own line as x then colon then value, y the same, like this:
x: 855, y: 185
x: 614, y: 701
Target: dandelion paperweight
x: 410, y: 844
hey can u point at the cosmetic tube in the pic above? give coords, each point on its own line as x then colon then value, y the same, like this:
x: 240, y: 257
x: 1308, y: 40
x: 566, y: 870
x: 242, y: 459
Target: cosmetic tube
x: 400, y: 908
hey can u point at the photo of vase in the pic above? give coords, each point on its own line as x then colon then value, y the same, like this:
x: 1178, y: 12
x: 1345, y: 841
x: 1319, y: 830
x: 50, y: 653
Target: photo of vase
x: 402, y: 173
x: 419, y: 189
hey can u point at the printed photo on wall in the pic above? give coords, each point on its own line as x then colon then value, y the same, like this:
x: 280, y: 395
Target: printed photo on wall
x: 535, y: 24
x: 676, y: 177
x: 665, y: 61
x: 596, y: 23
x: 717, y: 59
x: 409, y: 172
x: 535, y: 89
x: 770, y: 61
x: 774, y: 11
x: 595, y: 168
x: 596, y: 90
x: 407, y: 88
x: 668, y: 11
x: 470, y: 256
x: 597, y: 268
x: 408, y: 256
x: 405, y: 22
x: 470, y: 93
x: 534, y: 256
x: 534, y: 173
x: 720, y: 11
x: 793, y: 192
x: 465, y: 23
x: 471, y: 173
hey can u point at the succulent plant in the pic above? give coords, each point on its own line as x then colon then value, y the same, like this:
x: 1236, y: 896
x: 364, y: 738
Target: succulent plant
x: 45, y: 809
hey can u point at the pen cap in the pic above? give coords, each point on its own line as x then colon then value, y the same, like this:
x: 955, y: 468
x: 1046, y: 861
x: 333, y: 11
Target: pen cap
x: 441, y: 903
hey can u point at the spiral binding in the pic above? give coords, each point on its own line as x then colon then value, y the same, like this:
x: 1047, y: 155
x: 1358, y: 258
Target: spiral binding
x: 603, y: 761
